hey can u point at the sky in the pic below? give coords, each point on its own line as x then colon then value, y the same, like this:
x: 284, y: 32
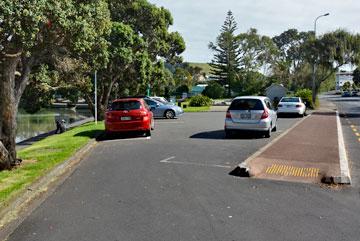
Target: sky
x: 199, y: 21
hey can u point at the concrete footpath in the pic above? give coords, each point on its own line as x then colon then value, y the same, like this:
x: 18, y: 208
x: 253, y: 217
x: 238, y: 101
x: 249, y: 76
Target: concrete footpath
x: 312, y: 151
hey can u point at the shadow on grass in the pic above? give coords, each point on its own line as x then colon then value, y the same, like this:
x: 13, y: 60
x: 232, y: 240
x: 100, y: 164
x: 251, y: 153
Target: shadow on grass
x: 220, y: 135
x: 91, y: 134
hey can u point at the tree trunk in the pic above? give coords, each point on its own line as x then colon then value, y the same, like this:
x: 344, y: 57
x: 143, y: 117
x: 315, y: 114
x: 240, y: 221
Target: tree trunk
x: 8, y: 110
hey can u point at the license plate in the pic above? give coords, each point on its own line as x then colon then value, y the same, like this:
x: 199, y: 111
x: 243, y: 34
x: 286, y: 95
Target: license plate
x: 125, y: 118
x: 245, y: 116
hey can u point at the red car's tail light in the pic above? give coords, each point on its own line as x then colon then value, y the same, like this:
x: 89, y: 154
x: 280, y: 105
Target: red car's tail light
x: 228, y: 115
x: 265, y: 114
x: 110, y: 117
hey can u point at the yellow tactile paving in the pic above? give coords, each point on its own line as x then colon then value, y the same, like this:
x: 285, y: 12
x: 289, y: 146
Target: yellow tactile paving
x: 285, y: 170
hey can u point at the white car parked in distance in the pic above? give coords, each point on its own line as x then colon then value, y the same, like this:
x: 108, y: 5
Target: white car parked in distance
x: 291, y: 105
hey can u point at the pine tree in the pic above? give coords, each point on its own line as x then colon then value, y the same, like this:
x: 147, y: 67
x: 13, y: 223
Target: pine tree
x: 225, y: 63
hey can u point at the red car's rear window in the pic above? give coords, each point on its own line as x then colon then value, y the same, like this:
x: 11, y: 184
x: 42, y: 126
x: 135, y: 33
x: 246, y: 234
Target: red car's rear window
x: 126, y: 105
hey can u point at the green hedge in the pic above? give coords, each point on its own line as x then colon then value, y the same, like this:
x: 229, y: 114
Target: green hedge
x: 200, y: 100
x: 306, y: 95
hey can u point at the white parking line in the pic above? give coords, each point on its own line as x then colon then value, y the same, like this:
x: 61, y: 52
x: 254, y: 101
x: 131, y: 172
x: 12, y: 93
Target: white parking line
x: 168, y: 160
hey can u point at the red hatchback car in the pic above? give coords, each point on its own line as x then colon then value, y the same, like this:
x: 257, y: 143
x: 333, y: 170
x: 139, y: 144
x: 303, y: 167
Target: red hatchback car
x: 129, y: 114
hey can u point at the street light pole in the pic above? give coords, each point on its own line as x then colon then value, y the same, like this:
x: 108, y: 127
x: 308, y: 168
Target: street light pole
x: 314, y: 65
x: 95, y: 97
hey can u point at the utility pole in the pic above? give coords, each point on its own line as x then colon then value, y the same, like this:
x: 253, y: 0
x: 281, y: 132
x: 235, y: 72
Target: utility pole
x: 95, y: 94
x: 314, y: 65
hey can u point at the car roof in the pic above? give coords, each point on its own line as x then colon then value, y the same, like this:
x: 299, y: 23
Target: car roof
x: 251, y: 97
x: 127, y: 99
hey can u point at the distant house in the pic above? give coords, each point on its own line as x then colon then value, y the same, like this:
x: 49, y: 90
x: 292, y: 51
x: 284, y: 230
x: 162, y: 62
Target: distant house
x: 341, y: 78
x: 276, y: 92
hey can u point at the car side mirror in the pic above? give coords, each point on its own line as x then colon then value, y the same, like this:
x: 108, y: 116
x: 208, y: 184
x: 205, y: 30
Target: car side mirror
x: 157, y: 105
x: 152, y: 108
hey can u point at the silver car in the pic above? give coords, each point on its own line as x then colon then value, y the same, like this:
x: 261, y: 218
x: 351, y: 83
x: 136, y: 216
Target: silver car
x: 255, y: 113
x: 161, y: 110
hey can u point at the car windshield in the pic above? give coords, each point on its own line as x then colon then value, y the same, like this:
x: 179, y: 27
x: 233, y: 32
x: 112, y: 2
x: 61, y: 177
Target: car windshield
x: 126, y: 105
x: 291, y: 99
x: 246, y: 104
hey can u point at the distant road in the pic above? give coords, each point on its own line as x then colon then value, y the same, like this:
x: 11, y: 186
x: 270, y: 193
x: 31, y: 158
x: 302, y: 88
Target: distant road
x: 349, y: 109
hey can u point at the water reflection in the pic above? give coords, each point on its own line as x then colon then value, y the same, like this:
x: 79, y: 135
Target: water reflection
x: 30, y: 125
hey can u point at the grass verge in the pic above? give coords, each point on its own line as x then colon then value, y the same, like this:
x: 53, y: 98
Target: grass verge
x: 41, y: 157
x: 194, y: 108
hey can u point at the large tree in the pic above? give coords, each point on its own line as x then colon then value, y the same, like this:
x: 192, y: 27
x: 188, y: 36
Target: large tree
x: 225, y: 63
x: 290, y: 66
x: 32, y: 32
x: 139, y: 43
x: 330, y: 52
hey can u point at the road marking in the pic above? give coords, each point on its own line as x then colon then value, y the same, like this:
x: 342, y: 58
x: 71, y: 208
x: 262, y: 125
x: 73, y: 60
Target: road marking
x: 344, y: 163
x: 286, y: 170
x: 246, y: 164
x: 168, y: 160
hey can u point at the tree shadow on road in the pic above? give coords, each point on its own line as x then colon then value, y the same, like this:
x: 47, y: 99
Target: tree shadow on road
x: 220, y: 135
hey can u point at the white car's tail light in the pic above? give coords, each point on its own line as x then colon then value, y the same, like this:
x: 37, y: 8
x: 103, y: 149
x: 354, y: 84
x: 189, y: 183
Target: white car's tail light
x: 265, y: 114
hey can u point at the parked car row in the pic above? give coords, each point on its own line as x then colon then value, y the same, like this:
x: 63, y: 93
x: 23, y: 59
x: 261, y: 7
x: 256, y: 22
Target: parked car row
x: 137, y: 114
x: 250, y: 113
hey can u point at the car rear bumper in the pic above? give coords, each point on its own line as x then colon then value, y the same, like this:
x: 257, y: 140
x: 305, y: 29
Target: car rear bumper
x: 290, y: 111
x: 127, y: 126
x: 262, y: 125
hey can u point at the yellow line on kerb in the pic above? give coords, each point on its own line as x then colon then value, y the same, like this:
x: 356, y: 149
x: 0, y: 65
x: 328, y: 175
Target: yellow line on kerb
x: 285, y: 170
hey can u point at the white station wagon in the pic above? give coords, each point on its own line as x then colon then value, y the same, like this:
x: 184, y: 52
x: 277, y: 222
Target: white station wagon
x: 254, y: 113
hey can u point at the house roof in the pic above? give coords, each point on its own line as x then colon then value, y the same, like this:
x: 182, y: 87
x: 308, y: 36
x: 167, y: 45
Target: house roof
x: 276, y: 85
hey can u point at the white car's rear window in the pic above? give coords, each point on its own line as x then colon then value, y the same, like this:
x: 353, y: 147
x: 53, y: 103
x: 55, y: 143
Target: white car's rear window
x: 246, y: 104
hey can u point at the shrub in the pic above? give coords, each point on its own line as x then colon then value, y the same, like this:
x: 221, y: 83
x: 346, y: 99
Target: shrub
x: 214, y: 91
x: 306, y: 95
x: 200, y: 100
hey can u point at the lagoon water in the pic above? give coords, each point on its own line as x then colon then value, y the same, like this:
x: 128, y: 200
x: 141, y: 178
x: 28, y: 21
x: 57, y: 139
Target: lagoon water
x: 30, y: 125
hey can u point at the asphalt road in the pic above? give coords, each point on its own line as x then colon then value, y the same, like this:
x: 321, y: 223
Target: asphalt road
x: 349, y: 109
x: 175, y: 186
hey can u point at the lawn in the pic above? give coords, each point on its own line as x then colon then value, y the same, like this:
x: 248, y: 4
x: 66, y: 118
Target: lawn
x: 194, y: 108
x: 41, y: 157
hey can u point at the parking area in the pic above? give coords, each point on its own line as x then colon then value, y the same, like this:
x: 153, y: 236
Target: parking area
x: 177, y: 184
x: 198, y: 139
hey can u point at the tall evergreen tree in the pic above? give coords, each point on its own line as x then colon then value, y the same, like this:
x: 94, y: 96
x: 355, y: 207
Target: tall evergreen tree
x: 225, y: 63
